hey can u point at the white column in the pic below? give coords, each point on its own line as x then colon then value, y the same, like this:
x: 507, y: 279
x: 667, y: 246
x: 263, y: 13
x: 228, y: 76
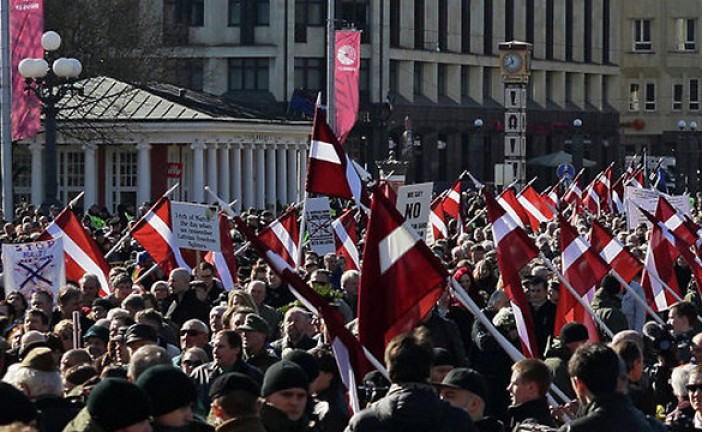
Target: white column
x: 37, y: 174
x: 303, y: 173
x: 271, y: 196
x: 224, y: 174
x: 91, y: 180
x: 292, y: 173
x: 212, y: 167
x: 260, y: 177
x: 144, y: 169
x: 235, y: 163
x: 282, y: 175
x: 248, y: 176
x: 198, y: 192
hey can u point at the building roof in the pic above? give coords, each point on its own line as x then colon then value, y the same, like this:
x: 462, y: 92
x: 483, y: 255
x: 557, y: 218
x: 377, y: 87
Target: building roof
x: 108, y: 99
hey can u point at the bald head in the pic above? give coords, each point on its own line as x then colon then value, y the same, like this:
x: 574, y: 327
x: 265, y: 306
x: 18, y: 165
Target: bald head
x: 179, y: 280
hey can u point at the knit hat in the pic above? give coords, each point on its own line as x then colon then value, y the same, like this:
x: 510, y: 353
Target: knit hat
x: 41, y: 359
x: 116, y: 403
x: 233, y: 381
x: 282, y: 376
x: 573, y: 332
x: 443, y: 357
x: 16, y: 406
x: 305, y: 360
x: 98, y: 332
x: 168, y: 388
x: 466, y: 379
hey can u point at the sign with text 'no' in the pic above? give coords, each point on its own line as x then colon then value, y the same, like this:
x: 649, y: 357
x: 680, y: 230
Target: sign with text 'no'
x: 195, y: 226
x: 414, y: 203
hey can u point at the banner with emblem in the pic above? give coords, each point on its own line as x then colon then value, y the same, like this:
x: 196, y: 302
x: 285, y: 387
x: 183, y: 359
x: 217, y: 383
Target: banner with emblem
x: 347, y: 69
x: 30, y: 267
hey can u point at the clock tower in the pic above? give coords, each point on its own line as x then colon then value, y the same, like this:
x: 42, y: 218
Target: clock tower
x: 515, y: 59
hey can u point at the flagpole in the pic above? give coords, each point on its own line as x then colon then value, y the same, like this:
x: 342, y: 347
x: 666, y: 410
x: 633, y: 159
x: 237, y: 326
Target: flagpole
x: 511, y: 351
x: 577, y: 296
x: 126, y: 235
x: 301, y: 236
x: 331, y: 62
x: 148, y: 272
x: 638, y: 298
x: 75, y: 200
x: 226, y: 208
x: 6, y: 110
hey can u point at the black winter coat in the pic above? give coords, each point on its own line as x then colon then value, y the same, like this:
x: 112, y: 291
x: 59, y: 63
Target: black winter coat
x: 610, y: 413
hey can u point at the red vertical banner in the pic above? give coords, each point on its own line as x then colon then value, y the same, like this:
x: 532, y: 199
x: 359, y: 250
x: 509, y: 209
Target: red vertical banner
x: 347, y: 68
x: 26, y: 28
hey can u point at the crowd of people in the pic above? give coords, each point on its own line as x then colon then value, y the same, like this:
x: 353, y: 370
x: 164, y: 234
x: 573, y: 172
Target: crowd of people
x: 177, y: 351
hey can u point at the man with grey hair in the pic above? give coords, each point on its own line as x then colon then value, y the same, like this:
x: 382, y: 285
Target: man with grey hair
x: 183, y: 303
x: 145, y: 357
x: 294, y: 332
x: 257, y: 290
x: 90, y: 286
x: 347, y: 304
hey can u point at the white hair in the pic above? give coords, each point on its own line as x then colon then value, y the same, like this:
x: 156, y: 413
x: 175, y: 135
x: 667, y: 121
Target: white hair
x: 679, y: 378
x: 118, y: 313
x: 36, y: 383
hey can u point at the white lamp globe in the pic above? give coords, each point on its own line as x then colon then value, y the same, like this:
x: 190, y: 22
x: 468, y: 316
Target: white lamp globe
x: 50, y: 41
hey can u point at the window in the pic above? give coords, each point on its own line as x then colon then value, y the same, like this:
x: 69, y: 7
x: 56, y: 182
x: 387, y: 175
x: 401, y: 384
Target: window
x: 677, y: 97
x: 685, y: 34
x: 650, y: 101
x: 443, y: 25
x: 419, y: 24
x: 356, y: 12
x: 364, y: 81
x: 642, y: 35
x: 549, y: 29
x: 71, y: 167
x: 487, y: 27
x: 249, y: 11
x: 122, y: 178
x: 606, y: 18
x: 310, y: 74
x: 634, y: 97
x: 248, y: 74
x: 694, y: 88
x: 417, y: 78
x: 441, y: 79
x: 509, y: 20
x: 569, y: 30
x: 195, y: 10
x: 487, y: 83
x: 465, y: 26
x: 395, y: 23
x: 465, y: 81
x: 394, y: 71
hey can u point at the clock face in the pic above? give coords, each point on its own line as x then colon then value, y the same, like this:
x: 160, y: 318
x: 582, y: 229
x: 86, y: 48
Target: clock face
x: 512, y: 62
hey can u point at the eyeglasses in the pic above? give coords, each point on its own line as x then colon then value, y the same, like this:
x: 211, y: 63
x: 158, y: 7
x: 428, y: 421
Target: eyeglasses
x: 190, y: 333
x: 192, y: 363
x: 693, y: 387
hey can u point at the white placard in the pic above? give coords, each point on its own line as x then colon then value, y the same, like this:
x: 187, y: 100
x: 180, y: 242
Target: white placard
x: 318, y: 222
x: 647, y: 199
x: 195, y: 226
x: 31, y: 267
x: 414, y: 203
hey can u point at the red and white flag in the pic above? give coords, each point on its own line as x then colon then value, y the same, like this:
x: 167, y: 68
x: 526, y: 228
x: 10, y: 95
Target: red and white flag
x: 636, y: 179
x: 618, y: 196
x: 330, y: 171
x: 82, y: 254
x: 583, y: 268
x: 574, y: 194
x: 508, y: 200
x: 614, y: 252
x: 550, y: 195
x: 224, y: 261
x: 401, y: 279
x: 350, y: 355
x: 346, y: 239
x: 155, y: 234
x: 452, y: 206
x: 597, y: 197
x: 676, y: 221
x: 536, y: 209
x: 437, y: 220
x: 514, y: 250
x: 282, y: 237
x: 659, y: 260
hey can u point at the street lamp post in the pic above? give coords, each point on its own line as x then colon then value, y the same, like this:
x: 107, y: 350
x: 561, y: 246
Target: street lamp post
x: 577, y: 145
x: 50, y: 85
x: 685, y: 156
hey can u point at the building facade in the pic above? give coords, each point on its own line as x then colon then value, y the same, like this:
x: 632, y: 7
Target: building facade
x: 661, y: 78
x: 434, y: 61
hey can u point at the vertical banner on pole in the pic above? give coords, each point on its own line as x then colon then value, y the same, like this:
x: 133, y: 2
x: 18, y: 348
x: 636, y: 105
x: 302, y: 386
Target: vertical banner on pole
x: 347, y: 68
x: 26, y: 28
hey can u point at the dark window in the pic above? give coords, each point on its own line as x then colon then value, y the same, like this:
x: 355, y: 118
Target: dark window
x: 465, y: 26
x: 569, y: 30
x: 487, y: 27
x: 443, y: 25
x: 394, y: 70
x: 441, y: 79
x: 262, y: 12
x: 395, y: 13
x: 549, y: 29
x: 642, y: 35
x: 694, y: 95
x: 357, y: 13
x: 310, y: 74
x: 417, y: 78
x: 677, y: 97
x: 248, y: 74
x: 249, y: 11
x: 189, y: 73
x: 487, y: 83
x: 465, y: 81
x: 650, y: 97
x: 195, y: 13
x: 509, y: 20
x: 587, y: 54
x: 364, y: 81
x: 606, y: 17
x: 530, y: 21
x: 308, y: 13
x: 235, y: 12
x: 419, y: 24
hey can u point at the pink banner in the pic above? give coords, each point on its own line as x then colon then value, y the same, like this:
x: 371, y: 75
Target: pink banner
x: 347, y: 68
x: 26, y: 28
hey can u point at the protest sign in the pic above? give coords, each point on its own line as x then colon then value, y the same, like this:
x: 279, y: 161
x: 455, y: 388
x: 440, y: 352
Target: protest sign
x: 319, y: 226
x: 30, y: 267
x: 414, y: 203
x: 647, y: 199
x: 195, y: 226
